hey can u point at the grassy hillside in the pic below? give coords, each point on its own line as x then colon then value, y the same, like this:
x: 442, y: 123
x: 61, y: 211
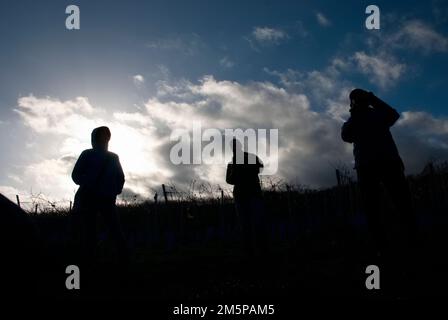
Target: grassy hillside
x: 190, y: 247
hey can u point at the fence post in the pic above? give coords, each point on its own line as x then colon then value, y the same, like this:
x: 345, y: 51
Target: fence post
x: 222, y: 232
x: 289, y: 221
x: 338, y: 177
x: 164, y: 193
x: 18, y: 200
x: 35, y: 209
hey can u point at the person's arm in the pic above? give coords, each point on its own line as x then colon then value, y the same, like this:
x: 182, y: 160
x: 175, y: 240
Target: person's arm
x: 390, y: 115
x: 230, y: 179
x: 120, y: 175
x: 348, y: 131
x: 78, y: 173
x: 260, y: 164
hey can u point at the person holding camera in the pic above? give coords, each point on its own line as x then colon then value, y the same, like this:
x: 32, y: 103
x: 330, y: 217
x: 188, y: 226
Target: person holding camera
x: 378, y: 162
x: 242, y: 173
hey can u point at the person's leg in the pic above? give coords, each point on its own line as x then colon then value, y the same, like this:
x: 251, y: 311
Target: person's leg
x: 88, y: 236
x: 260, y: 225
x: 399, y: 192
x: 405, y: 235
x: 243, y: 210
x: 84, y: 216
x: 110, y: 215
x: 85, y: 219
x: 370, y: 188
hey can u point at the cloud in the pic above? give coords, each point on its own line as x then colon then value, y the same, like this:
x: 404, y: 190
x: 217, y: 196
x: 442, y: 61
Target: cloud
x: 44, y: 115
x: 142, y: 138
x: 67, y: 125
x: 323, y: 20
x: 305, y: 136
x: 421, y: 137
x: 409, y: 34
x: 382, y: 70
x: 440, y: 11
x: 425, y: 123
x: 226, y: 63
x: 382, y: 60
x: 268, y: 36
x: 15, y: 178
x: 52, y: 177
x: 326, y: 89
x: 308, y: 108
x: 138, y: 79
x: 265, y: 34
x: 9, y: 192
x: 418, y: 35
x: 188, y: 44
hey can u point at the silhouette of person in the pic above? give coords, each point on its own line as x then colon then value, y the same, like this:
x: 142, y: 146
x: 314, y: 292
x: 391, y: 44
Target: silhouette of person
x: 377, y: 162
x: 242, y: 173
x: 100, y: 178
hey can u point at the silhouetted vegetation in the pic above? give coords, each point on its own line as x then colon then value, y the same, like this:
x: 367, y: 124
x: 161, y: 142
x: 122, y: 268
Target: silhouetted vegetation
x: 190, y: 247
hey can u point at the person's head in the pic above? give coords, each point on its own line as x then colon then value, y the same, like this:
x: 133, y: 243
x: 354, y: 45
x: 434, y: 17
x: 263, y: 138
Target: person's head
x: 359, y: 99
x: 100, y: 138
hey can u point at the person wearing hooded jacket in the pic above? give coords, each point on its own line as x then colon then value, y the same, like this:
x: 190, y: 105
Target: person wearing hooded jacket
x: 100, y: 177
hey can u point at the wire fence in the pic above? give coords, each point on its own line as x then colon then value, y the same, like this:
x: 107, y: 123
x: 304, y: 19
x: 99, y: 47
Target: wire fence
x: 168, y: 193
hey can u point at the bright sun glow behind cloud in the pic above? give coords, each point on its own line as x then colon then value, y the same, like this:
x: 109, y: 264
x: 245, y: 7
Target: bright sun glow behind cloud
x: 68, y: 125
x: 134, y: 148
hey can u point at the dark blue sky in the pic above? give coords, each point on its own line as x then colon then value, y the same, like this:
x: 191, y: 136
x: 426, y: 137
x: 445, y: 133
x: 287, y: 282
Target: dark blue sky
x: 40, y: 56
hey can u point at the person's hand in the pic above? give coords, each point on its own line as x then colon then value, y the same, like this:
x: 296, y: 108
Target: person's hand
x: 363, y: 95
x: 370, y: 96
x: 354, y: 111
x: 360, y: 98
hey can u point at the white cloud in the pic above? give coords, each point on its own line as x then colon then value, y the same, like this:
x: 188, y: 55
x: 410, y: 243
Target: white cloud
x: 51, y: 176
x: 307, y: 108
x: 322, y: 19
x: 266, y: 35
x: 409, y: 35
x: 305, y: 136
x: 325, y: 89
x: 45, y: 115
x: 187, y: 44
x: 418, y: 35
x: 421, y: 137
x: 382, y: 70
x: 426, y: 124
x: 226, y: 63
x: 9, y: 192
x: 142, y: 138
x: 14, y: 178
x: 68, y: 125
x: 138, y: 79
